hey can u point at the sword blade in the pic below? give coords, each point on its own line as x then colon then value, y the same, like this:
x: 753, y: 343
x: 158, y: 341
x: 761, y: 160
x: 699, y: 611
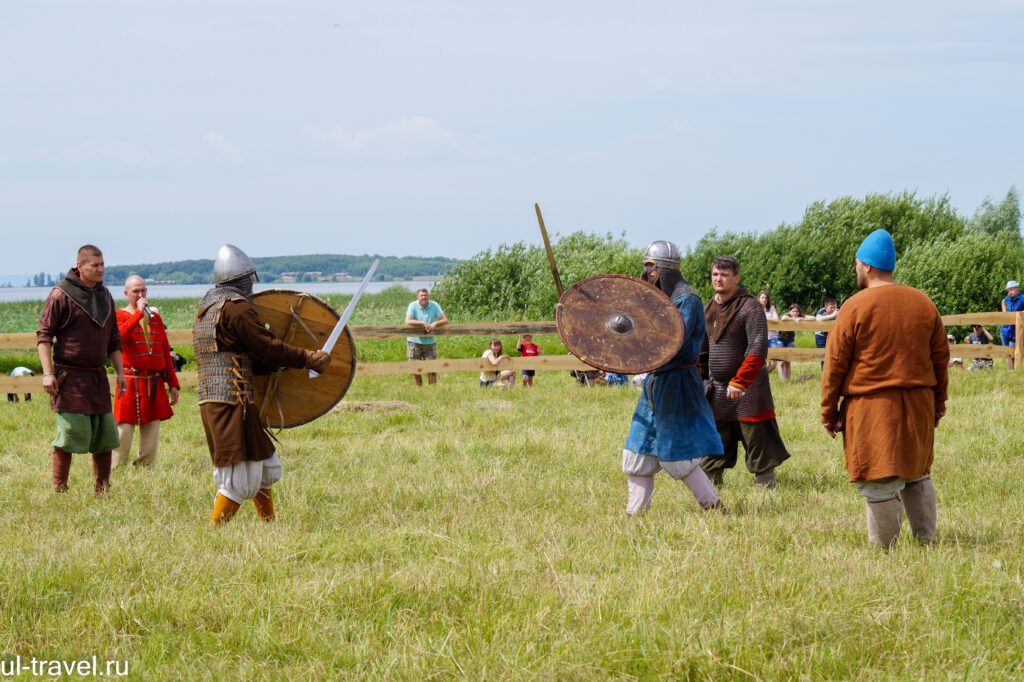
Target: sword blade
x: 349, y: 309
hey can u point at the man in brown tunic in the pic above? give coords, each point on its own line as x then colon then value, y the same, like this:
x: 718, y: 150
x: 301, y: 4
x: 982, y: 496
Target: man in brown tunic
x: 888, y: 357
x: 734, y: 352
x: 77, y: 335
x: 231, y: 344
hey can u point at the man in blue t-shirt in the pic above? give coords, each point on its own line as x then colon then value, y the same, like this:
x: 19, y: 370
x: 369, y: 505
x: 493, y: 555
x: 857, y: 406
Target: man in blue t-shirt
x: 426, y: 314
x: 1013, y: 303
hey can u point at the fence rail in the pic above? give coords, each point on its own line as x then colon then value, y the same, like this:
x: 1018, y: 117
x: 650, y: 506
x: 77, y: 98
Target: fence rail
x: 547, y: 362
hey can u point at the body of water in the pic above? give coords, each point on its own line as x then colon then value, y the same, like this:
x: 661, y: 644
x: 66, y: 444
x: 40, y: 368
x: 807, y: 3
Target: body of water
x: 156, y: 292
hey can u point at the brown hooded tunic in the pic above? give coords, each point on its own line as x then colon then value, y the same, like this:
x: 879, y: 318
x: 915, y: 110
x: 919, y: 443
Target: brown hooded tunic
x: 234, y: 433
x: 888, y: 356
x: 81, y: 347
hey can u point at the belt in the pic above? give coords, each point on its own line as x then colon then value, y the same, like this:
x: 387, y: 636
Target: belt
x: 61, y: 365
x: 141, y: 374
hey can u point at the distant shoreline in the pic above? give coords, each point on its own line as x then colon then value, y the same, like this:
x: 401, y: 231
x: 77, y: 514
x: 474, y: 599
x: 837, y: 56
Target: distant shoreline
x: 15, y: 294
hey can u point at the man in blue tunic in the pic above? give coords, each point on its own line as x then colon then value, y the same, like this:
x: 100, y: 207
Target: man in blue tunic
x: 673, y: 428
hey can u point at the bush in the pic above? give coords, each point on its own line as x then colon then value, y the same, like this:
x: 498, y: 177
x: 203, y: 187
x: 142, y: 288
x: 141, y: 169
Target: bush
x: 514, y: 281
x: 814, y: 259
x: 962, y: 276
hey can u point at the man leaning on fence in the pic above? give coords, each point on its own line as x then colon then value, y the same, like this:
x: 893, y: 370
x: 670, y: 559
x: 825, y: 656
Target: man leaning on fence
x: 887, y: 356
x: 79, y: 329
x: 426, y: 314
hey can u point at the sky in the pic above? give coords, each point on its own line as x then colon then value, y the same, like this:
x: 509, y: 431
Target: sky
x: 160, y: 130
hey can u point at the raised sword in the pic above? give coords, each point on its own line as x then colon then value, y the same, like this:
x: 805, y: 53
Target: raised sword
x: 349, y: 309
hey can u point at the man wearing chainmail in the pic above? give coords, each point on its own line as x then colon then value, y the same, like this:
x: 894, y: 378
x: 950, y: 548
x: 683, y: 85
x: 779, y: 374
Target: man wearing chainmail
x: 231, y: 345
x: 735, y: 349
x: 672, y: 427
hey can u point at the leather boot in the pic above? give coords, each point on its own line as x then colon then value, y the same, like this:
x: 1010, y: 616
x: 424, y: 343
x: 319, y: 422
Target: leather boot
x: 919, y: 501
x: 264, y: 502
x: 884, y: 521
x: 61, y: 470
x: 765, y: 479
x: 101, y: 468
x: 223, y: 509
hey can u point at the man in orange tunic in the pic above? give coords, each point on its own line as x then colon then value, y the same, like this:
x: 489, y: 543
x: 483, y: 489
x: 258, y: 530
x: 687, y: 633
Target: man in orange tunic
x: 888, y: 357
x: 150, y: 374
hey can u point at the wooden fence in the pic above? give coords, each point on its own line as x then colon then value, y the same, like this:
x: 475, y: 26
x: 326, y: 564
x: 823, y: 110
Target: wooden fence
x: 183, y: 337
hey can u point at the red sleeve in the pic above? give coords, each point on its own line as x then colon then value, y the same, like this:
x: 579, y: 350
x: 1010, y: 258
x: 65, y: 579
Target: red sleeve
x: 747, y: 372
x: 126, y: 322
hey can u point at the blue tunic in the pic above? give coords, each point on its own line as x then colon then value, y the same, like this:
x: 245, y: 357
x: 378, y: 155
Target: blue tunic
x: 680, y: 425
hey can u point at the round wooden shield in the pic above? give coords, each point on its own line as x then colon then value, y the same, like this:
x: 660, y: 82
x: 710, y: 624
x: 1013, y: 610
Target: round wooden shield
x: 619, y: 324
x: 288, y: 397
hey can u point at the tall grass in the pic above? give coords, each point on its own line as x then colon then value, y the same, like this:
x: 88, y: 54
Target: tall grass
x: 481, y: 535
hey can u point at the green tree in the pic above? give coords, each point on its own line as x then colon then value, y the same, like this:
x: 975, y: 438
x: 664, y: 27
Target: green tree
x: 813, y: 259
x: 1002, y: 219
x: 964, y: 275
x: 514, y: 282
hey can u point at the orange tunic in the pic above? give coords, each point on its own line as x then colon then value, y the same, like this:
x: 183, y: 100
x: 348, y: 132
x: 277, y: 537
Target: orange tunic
x: 888, y: 356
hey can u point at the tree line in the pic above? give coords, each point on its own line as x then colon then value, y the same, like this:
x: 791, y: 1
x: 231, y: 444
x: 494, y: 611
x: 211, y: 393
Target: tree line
x: 961, y: 262
x: 200, y: 271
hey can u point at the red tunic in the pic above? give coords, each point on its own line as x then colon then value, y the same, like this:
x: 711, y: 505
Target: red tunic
x: 146, y: 368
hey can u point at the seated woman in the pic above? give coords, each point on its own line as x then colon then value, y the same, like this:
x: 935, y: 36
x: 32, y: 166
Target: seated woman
x: 493, y: 354
x: 788, y: 339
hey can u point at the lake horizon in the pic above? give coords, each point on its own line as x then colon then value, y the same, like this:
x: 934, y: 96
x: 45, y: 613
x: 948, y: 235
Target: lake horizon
x: 163, y: 291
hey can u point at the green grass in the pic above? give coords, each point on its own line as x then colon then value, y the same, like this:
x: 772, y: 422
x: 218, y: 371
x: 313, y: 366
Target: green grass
x: 482, y: 536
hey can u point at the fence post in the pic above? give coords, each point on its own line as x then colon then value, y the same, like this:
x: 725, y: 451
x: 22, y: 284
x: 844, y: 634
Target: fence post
x: 1018, y: 349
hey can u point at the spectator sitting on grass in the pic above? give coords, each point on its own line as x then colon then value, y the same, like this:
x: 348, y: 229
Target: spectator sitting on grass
x: 493, y: 354
x: 954, y: 362
x: 788, y: 339
x: 980, y: 337
x: 825, y: 314
x: 771, y: 316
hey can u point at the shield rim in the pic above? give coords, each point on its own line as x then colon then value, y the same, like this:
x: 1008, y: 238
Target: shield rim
x: 618, y: 370
x: 351, y: 344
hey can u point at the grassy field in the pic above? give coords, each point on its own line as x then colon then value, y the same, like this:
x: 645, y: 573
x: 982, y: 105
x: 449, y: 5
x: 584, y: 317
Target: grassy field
x: 481, y: 535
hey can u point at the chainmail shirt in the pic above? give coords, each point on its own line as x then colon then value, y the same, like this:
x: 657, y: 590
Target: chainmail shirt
x: 746, y: 334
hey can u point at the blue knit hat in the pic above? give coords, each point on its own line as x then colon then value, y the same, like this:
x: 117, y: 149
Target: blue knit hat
x: 878, y: 251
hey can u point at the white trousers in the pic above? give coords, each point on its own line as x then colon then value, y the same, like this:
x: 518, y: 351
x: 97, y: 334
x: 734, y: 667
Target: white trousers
x: 640, y: 470
x: 241, y: 481
x: 149, y: 438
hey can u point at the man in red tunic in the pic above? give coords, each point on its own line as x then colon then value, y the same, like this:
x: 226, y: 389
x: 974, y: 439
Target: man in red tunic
x: 79, y: 329
x: 148, y: 367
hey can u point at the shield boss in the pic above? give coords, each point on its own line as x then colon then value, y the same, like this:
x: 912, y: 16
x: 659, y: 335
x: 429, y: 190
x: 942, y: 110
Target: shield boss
x: 288, y: 397
x: 619, y: 324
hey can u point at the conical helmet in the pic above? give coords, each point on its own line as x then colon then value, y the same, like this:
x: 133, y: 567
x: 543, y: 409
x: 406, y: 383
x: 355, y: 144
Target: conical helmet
x: 231, y: 263
x: 663, y: 254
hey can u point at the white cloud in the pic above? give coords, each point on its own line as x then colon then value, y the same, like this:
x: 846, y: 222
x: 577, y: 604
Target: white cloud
x: 400, y: 139
x: 221, y: 146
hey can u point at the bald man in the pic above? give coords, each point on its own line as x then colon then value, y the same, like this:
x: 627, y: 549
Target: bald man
x: 150, y: 374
